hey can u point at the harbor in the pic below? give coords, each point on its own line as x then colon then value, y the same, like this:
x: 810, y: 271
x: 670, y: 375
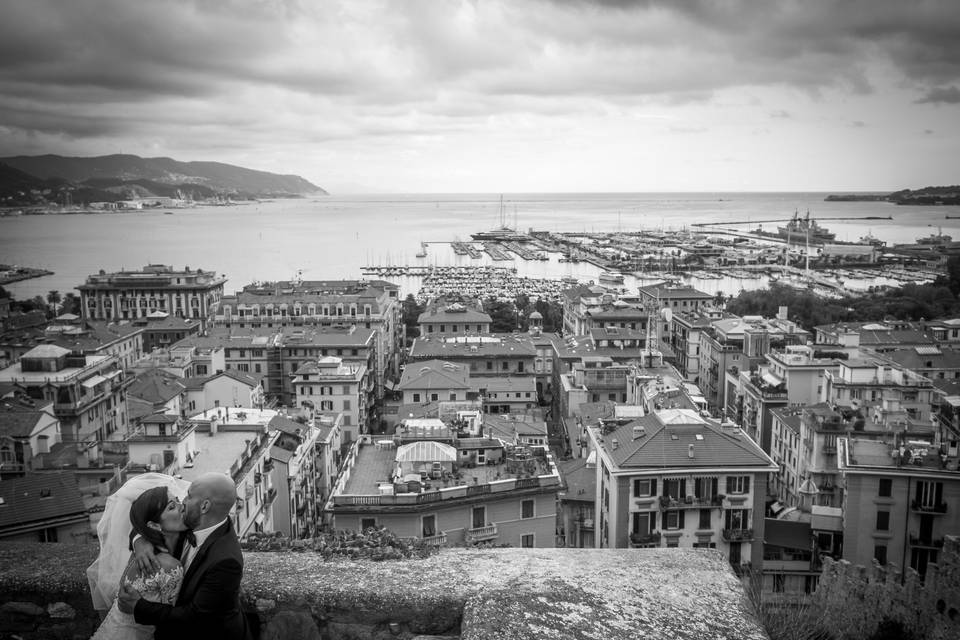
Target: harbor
x: 16, y: 273
x: 720, y: 260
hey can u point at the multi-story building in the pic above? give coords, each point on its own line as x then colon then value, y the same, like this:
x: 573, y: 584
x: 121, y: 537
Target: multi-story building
x: 461, y: 490
x: 658, y: 297
x: 879, y: 337
x: 497, y: 354
x: 296, y: 469
x: 87, y: 392
x: 126, y: 295
x: 27, y: 429
x: 123, y: 340
x: 229, y: 388
x: 732, y: 345
x: 332, y: 386
x: 161, y: 330
x: 276, y: 354
x: 436, y: 381
x: 453, y: 319
x: 887, y: 393
x: 154, y: 391
x: 186, y: 360
x: 793, y: 376
x: 674, y: 478
x: 683, y: 337
x: 936, y: 362
x: 373, y: 305
x: 900, y: 499
x: 577, y: 515
x: 510, y: 394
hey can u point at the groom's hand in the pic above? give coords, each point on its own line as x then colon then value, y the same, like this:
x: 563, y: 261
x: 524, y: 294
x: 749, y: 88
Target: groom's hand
x: 146, y: 559
x: 127, y: 598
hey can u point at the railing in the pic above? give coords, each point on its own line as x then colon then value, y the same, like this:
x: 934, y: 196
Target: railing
x: 829, y: 449
x: 447, y: 493
x: 480, y: 534
x: 645, y: 539
x: 480, y: 489
x: 737, y: 535
x: 437, y: 540
x: 940, y: 507
x: 690, y: 502
x: 932, y: 543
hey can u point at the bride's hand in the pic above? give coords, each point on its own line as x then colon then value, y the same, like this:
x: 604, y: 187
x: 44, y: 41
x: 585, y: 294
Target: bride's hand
x: 146, y: 559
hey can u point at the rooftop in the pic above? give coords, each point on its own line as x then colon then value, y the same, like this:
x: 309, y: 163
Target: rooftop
x: 912, y: 457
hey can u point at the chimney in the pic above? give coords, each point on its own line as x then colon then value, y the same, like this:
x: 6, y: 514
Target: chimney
x: 214, y: 424
x: 690, y: 451
x: 616, y: 444
x: 639, y: 431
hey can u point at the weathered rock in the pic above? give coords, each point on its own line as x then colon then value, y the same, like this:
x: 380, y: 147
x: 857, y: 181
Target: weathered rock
x: 291, y: 625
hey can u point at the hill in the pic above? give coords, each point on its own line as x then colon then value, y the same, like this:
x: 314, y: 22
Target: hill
x: 925, y: 196
x: 217, y: 177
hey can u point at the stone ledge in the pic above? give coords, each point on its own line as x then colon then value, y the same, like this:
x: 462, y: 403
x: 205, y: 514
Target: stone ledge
x: 688, y: 594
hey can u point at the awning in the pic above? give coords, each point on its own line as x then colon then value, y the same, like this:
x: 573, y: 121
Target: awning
x: 771, y: 379
x: 93, y: 381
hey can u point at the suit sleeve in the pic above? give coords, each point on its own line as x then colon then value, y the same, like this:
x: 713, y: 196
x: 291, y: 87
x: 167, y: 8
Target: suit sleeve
x: 215, y: 596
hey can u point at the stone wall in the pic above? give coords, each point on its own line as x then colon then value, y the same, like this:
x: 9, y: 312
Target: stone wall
x: 688, y: 594
x: 855, y: 600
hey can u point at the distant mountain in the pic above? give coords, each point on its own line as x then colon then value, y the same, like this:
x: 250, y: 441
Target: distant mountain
x: 925, y: 196
x: 117, y: 170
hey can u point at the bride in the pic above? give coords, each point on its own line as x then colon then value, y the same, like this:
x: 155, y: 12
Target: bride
x: 148, y: 505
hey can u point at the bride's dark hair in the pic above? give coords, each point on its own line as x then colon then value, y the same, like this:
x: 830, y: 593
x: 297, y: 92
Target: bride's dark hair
x: 148, y: 507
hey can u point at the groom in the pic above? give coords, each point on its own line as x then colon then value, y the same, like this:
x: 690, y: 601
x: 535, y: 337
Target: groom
x: 208, y: 606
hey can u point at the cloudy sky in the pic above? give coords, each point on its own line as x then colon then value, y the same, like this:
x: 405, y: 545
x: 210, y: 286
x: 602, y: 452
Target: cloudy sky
x: 497, y: 96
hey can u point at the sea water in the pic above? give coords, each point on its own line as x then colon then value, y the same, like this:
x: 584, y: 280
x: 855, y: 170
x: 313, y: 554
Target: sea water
x: 334, y: 237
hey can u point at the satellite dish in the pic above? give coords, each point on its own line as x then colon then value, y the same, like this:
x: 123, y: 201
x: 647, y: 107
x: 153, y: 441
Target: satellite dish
x: 666, y: 314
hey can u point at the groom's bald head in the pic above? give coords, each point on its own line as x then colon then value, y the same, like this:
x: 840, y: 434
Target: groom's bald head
x: 212, y: 496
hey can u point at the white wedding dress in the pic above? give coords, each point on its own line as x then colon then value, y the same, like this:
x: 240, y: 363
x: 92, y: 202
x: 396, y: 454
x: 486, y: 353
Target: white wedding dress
x: 104, y: 574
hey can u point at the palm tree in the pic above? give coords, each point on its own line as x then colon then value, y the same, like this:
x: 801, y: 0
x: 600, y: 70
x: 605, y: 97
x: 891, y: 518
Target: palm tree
x: 54, y: 299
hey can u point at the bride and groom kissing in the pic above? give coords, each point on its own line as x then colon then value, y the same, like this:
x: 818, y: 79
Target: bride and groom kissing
x: 182, y: 579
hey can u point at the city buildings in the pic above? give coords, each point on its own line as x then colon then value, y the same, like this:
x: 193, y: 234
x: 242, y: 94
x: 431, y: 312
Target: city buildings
x: 126, y: 295
x: 87, y: 392
x: 449, y: 490
x: 43, y: 508
x: 453, y: 319
x: 674, y: 478
x: 332, y: 386
x: 27, y: 429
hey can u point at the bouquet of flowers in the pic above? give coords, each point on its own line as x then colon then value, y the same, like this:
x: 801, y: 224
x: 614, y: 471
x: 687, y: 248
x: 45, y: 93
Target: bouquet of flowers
x: 163, y: 584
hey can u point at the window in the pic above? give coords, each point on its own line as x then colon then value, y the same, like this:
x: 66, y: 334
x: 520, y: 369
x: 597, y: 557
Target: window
x: 738, y: 484
x: 886, y: 488
x: 705, y: 487
x: 526, y: 541
x: 368, y: 523
x: 644, y: 522
x: 644, y: 488
x: 489, y: 365
x: 883, y: 520
x: 526, y: 509
x: 736, y: 519
x: 880, y: 553
x: 453, y: 397
x: 929, y: 494
x: 346, y: 389
x: 434, y: 397
x: 704, y: 519
x: 429, y: 526
x: 673, y: 520
x: 346, y: 405
x: 675, y: 488
x: 416, y: 397
x: 478, y: 517
x: 47, y: 535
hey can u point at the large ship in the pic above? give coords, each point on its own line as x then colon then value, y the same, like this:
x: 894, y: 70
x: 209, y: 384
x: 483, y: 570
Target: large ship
x: 804, y: 228
x: 503, y: 232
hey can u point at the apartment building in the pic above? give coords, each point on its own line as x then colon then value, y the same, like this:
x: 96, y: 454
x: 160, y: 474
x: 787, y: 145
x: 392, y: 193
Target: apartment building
x: 453, y: 319
x: 87, y: 392
x: 126, y: 295
x: 496, y: 354
x: 27, y: 429
x: 900, y: 499
x: 372, y: 305
x: 297, y: 468
x: 887, y: 393
x: 674, y: 478
x: 449, y: 490
x: 332, y: 386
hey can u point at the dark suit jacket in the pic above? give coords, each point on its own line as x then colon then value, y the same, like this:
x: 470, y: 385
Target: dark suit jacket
x: 208, y: 607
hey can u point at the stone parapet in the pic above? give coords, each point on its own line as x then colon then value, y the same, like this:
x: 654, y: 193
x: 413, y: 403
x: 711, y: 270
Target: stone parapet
x: 687, y: 594
x: 857, y: 600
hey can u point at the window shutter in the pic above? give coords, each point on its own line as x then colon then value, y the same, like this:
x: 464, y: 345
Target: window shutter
x: 746, y: 484
x: 636, y: 490
x: 919, y: 493
x: 729, y: 484
x: 666, y: 488
x: 683, y: 488
x: 653, y: 487
x: 653, y: 521
x: 698, y: 487
x: 937, y: 493
x: 682, y: 514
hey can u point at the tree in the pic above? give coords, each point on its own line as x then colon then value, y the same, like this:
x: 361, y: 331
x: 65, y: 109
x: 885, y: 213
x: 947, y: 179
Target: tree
x: 54, y: 299
x: 410, y: 311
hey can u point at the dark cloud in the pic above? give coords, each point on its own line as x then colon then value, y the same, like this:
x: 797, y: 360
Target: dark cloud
x: 941, y: 95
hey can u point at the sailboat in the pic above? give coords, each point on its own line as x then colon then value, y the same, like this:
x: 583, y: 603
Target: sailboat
x: 503, y: 232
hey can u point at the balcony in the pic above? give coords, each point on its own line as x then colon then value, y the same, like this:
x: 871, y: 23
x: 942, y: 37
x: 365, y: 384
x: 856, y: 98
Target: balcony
x: 829, y: 449
x: 268, y: 465
x: 690, y: 502
x: 270, y: 497
x: 482, y: 534
x: 437, y: 540
x: 645, y: 539
x: 920, y: 507
x: 257, y: 478
x: 738, y: 535
x: 586, y: 524
x: 928, y: 542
